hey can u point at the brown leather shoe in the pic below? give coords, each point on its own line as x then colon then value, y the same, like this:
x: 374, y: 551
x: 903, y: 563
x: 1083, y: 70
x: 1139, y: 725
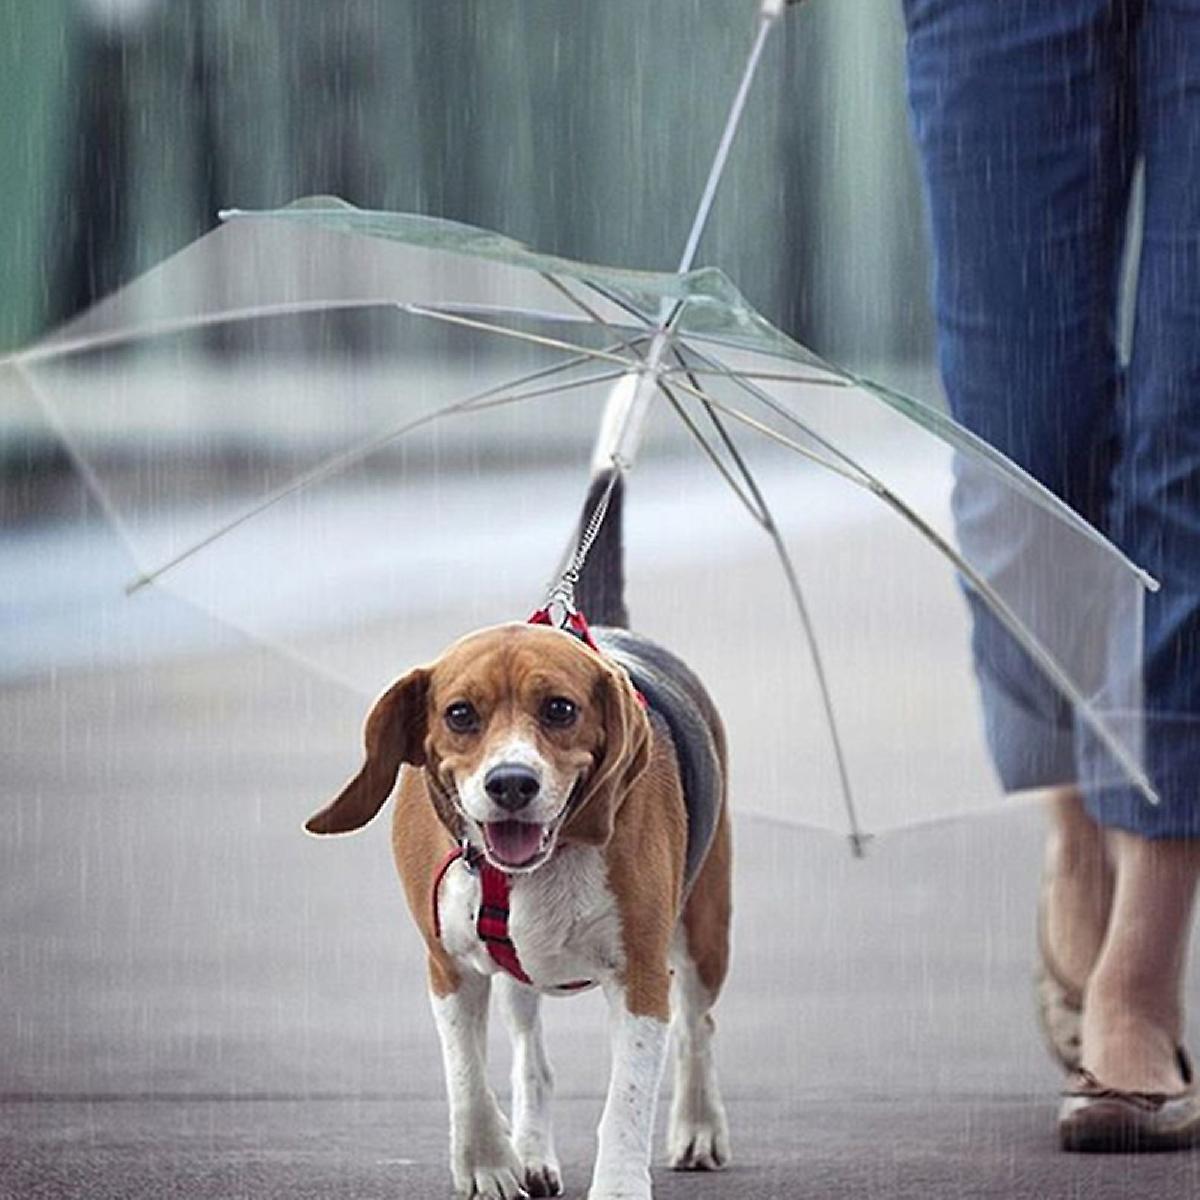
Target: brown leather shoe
x: 1097, y: 1119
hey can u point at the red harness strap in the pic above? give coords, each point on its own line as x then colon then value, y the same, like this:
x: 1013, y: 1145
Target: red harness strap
x: 577, y: 626
x: 491, y: 925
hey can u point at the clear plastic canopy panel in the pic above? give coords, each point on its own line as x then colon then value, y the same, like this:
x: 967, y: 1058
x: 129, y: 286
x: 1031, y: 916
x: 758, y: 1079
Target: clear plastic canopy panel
x: 418, y: 402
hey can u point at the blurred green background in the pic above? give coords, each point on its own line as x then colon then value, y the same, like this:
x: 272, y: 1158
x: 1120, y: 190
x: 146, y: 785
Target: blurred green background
x: 583, y: 128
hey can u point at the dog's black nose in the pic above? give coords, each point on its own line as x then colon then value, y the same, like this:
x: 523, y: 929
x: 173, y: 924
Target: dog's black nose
x: 511, y: 785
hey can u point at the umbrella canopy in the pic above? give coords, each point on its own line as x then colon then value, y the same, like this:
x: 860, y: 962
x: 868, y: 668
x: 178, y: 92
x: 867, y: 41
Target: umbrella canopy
x: 408, y: 407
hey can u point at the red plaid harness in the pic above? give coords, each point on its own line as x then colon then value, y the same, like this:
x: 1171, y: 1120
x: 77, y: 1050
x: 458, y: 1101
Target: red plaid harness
x: 491, y: 925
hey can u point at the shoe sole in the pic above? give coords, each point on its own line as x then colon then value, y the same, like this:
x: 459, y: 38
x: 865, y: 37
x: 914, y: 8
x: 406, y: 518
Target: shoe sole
x: 1104, y: 1126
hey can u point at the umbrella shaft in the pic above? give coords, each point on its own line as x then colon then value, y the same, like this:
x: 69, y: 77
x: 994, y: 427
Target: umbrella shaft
x: 625, y: 412
x: 765, y: 25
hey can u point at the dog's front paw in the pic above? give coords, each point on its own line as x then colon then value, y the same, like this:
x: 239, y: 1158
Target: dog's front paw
x: 490, y: 1183
x: 491, y: 1173
x: 699, y: 1144
x: 542, y: 1175
x: 623, y: 1185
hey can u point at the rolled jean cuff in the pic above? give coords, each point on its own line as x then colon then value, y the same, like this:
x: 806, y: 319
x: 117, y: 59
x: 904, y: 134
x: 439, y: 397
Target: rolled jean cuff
x: 1172, y: 760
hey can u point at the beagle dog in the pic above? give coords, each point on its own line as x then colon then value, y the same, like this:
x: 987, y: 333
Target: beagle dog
x: 559, y: 822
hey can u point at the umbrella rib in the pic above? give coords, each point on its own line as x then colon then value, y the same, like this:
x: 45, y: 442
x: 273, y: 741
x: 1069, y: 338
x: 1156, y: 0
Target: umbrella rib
x: 462, y: 307
x: 1031, y: 644
x: 991, y: 808
x: 782, y: 411
x: 865, y: 479
x: 1037, y: 492
x: 516, y: 334
x: 713, y: 457
x: 96, y: 488
x: 790, y: 443
x: 766, y: 376
x: 858, y: 838
x: 631, y: 345
x: 1033, y: 488
x: 715, y: 367
x: 766, y: 520
x: 728, y: 342
x: 115, y: 337
x: 580, y: 304
x: 487, y: 398
x: 81, y: 463
x: 149, y: 329
x: 620, y: 302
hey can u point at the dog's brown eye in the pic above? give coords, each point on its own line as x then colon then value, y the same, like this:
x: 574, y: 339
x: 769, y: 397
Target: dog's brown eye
x: 559, y: 712
x: 461, y: 717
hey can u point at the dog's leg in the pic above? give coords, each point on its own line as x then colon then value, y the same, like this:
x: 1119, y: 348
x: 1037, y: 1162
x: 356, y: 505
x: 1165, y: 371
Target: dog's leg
x: 532, y: 1088
x: 698, y: 1132
x: 482, y: 1158
x: 639, y: 1043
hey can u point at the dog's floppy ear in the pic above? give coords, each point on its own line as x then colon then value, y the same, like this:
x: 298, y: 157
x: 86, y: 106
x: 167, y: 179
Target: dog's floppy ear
x: 395, y: 734
x: 625, y: 757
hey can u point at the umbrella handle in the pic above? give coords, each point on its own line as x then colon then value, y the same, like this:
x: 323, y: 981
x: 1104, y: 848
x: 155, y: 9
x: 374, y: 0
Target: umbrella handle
x: 771, y: 9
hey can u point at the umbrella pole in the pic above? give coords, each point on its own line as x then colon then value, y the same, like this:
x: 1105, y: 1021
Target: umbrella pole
x: 768, y: 15
x: 625, y: 412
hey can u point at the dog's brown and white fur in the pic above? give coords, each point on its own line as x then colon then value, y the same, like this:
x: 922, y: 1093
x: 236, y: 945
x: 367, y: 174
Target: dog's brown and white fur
x: 598, y: 892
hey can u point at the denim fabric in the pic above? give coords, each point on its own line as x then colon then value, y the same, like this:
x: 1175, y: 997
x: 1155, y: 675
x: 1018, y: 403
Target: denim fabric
x: 1030, y: 116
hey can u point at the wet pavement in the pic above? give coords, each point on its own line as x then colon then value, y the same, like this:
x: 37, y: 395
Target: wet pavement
x: 201, y: 1001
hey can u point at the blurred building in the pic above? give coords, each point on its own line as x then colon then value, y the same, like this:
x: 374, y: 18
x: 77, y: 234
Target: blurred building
x: 582, y: 128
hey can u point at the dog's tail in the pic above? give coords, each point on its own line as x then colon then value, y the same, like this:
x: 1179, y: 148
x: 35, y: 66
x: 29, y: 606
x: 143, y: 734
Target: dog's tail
x: 600, y: 590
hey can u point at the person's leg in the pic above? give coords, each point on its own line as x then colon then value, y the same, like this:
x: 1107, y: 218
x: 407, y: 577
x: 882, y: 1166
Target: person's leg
x: 1155, y: 506
x: 1079, y: 888
x: 1020, y: 114
x: 1133, y: 1007
x: 1133, y: 1017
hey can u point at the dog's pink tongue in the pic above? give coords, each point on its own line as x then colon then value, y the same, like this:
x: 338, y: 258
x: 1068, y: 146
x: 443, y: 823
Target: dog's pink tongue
x: 513, y: 843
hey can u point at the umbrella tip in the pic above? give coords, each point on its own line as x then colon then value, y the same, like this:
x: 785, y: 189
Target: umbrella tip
x: 136, y: 585
x: 858, y: 843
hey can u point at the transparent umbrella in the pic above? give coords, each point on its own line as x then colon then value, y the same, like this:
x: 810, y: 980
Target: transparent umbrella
x: 407, y: 409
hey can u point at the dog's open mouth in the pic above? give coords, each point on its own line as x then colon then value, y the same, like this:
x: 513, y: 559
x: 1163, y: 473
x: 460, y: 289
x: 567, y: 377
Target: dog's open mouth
x: 515, y: 843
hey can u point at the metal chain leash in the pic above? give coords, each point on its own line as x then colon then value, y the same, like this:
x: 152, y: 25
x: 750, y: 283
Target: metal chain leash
x: 561, y: 601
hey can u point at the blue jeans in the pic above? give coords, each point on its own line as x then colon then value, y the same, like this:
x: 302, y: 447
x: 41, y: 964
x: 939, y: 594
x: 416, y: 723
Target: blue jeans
x: 1030, y: 116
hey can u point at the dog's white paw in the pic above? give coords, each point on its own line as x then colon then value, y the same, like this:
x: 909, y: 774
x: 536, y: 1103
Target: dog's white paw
x: 542, y: 1175
x: 494, y: 1173
x: 492, y: 1183
x: 699, y: 1144
x: 626, y: 1185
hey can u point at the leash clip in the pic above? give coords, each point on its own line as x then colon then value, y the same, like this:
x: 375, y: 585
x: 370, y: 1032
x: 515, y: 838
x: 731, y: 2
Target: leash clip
x: 469, y: 856
x: 560, y: 605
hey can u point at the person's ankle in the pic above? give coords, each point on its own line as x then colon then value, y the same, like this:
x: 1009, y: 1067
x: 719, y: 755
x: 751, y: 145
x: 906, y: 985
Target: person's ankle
x: 1129, y: 1042
x: 1079, y: 891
